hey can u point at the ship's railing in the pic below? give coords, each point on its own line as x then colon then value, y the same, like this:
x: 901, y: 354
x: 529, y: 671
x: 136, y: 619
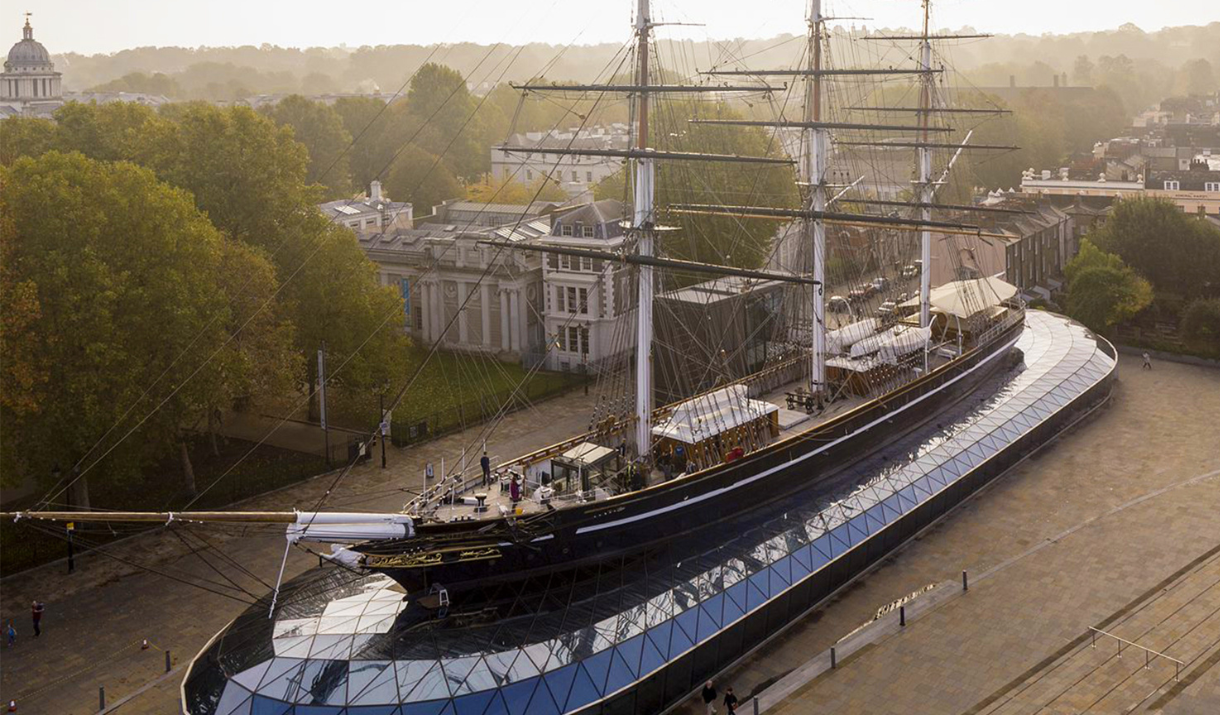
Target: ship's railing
x: 1011, y: 317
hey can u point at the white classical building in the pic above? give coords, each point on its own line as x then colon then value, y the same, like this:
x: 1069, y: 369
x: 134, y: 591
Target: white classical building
x: 574, y: 174
x: 29, y: 85
x: 588, y: 301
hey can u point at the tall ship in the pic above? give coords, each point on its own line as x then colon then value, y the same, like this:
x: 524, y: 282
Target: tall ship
x: 747, y: 384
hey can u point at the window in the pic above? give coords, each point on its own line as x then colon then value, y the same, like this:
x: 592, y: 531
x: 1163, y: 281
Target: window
x: 584, y: 340
x: 579, y: 230
x: 574, y: 339
x: 586, y: 231
x: 586, y: 264
x: 589, y: 176
x: 1212, y: 186
x: 1171, y: 185
x: 565, y: 230
x: 574, y: 179
x: 571, y: 304
x: 584, y: 301
x: 565, y: 263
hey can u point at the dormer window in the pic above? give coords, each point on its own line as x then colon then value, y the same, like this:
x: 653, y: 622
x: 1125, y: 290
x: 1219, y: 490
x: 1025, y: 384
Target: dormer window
x: 565, y: 230
x: 1171, y: 185
x: 1211, y: 186
x: 586, y: 231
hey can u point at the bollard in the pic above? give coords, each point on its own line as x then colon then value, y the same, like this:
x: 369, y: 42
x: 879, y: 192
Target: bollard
x: 167, y: 662
x: 755, y: 706
x: 902, y: 615
x: 101, y: 698
x: 144, y: 644
x: 833, y: 661
x: 965, y: 581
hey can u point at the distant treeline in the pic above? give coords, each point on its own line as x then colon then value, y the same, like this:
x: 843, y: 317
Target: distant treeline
x: 1152, y: 61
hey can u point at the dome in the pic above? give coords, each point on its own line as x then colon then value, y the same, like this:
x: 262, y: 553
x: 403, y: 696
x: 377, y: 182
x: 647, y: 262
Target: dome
x: 28, y: 52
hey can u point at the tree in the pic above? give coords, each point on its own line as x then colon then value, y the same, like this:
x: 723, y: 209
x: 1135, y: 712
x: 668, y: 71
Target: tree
x: 156, y: 83
x: 714, y: 239
x: 25, y: 136
x: 1180, y: 254
x: 508, y: 190
x: 1082, y: 71
x: 246, y: 173
x: 368, y: 121
x: 109, y: 132
x: 336, y: 299
x: 441, y: 109
x: 124, y: 270
x: 1201, y: 325
x: 422, y: 179
x: 1197, y: 77
x: 1102, y: 291
x: 320, y: 128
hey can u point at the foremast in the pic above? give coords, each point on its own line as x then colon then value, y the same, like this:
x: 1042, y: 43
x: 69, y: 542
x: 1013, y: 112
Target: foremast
x: 642, y: 223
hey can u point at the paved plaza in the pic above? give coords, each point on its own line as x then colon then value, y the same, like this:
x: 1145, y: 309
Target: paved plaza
x: 1116, y: 526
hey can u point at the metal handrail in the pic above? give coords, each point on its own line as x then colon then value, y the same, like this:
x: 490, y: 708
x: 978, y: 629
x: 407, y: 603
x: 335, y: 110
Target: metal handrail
x: 1148, y: 652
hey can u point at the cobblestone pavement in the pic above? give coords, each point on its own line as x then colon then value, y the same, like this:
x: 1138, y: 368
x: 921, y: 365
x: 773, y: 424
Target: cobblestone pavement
x: 96, y: 619
x: 1017, y: 642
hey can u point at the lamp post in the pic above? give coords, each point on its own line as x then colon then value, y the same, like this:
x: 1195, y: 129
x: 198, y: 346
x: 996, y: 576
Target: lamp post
x: 382, y: 426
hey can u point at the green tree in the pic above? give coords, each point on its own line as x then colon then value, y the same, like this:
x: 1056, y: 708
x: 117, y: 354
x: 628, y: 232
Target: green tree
x: 109, y: 132
x: 442, y: 110
x: 156, y: 83
x: 320, y: 128
x: 1082, y: 71
x: 1102, y: 291
x: 714, y: 239
x: 335, y: 298
x: 510, y: 191
x: 246, y: 173
x: 1197, y: 77
x: 25, y: 136
x: 368, y: 121
x: 125, y: 270
x: 423, y: 179
x: 1201, y: 325
x: 1179, y: 253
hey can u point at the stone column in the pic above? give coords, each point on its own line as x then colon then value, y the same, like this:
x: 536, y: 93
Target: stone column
x: 503, y: 319
x: 514, y: 327
x: 485, y: 304
x: 425, y: 309
x: 463, y: 291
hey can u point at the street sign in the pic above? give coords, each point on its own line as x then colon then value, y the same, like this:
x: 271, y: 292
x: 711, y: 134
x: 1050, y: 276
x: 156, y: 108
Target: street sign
x: 385, y: 428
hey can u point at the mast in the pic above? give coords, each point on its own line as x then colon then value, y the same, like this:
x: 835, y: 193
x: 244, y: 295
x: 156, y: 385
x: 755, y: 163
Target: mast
x: 815, y: 175
x: 924, y: 154
x: 642, y: 221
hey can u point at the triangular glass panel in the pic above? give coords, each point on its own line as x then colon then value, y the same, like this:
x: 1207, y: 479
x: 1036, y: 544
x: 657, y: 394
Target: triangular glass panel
x: 473, y: 704
x: 621, y: 675
x: 267, y: 706
x: 517, y: 696
x: 558, y: 683
x: 584, y: 691
x: 651, y: 657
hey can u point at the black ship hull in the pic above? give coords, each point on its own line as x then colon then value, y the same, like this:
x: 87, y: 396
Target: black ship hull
x: 633, y: 523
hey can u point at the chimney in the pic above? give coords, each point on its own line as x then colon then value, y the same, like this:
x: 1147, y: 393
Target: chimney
x: 375, y: 191
x: 1012, y: 80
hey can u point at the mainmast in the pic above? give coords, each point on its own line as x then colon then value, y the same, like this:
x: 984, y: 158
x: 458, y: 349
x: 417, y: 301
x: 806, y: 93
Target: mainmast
x: 642, y: 223
x: 924, y: 154
x: 815, y: 177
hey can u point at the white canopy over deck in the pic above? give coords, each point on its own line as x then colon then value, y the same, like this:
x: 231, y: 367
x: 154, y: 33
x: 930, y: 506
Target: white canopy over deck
x: 963, y: 299
x: 706, y: 416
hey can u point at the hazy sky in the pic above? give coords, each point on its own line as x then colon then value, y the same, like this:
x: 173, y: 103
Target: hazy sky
x: 90, y: 26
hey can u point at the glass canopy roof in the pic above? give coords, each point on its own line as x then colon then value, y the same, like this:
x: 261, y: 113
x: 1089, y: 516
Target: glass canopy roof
x: 347, y: 643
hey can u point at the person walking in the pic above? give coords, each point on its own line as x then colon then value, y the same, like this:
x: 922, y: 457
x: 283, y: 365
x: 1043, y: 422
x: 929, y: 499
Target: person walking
x: 485, y: 463
x: 1147, y: 361
x: 709, y: 698
x: 730, y: 700
x: 36, y: 614
x: 11, y: 633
